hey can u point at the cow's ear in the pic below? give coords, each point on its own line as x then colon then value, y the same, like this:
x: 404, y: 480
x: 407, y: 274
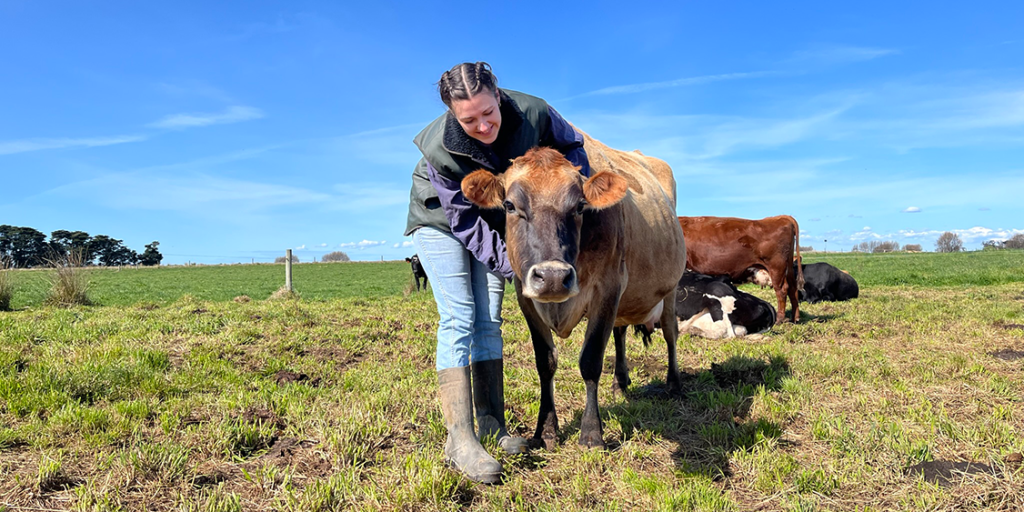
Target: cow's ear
x: 604, y: 189
x: 483, y: 189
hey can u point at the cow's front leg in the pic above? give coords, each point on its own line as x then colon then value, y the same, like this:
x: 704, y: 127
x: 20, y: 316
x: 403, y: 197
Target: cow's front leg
x: 621, y: 381
x: 546, y: 357
x: 599, y: 329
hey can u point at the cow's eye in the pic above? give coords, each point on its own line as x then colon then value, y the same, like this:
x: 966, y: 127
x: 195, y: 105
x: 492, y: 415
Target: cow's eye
x: 580, y: 207
x: 509, y: 207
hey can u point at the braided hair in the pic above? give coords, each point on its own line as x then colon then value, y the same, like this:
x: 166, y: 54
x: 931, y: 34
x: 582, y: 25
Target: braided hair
x: 465, y: 80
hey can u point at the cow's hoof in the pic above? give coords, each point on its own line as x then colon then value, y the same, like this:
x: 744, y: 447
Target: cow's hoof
x: 592, y: 440
x: 620, y: 385
x: 546, y: 443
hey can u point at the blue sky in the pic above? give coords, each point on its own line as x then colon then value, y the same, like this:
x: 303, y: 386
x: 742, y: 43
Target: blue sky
x: 231, y: 131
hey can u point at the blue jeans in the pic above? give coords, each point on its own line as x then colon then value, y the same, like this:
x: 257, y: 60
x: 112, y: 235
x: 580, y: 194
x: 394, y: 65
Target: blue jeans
x: 468, y: 297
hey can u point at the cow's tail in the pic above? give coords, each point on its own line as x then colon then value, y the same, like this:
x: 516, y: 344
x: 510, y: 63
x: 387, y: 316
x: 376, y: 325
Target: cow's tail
x: 799, y: 259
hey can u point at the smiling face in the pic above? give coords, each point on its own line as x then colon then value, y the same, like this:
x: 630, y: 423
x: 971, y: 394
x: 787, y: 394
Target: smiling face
x: 479, y: 116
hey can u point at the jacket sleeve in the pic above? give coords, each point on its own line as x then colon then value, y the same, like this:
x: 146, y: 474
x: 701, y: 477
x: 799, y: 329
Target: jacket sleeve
x: 563, y: 137
x: 483, y: 242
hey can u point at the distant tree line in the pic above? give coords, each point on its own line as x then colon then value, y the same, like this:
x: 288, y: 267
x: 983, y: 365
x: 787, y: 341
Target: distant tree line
x: 877, y: 246
x: 1016, y: 242
x: 327, y: 258
x: 27, y: 247
x: 947, y: 242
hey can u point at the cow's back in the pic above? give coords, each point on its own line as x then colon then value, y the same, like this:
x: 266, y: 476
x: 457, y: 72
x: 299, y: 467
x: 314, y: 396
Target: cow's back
x: 730, y: 245
x: 655, y: 252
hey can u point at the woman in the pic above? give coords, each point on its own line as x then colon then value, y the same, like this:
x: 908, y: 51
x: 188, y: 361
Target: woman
x: 462, y: 250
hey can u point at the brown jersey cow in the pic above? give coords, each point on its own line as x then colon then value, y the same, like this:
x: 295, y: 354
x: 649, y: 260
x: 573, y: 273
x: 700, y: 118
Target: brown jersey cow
x: 728, y: 246
x: 607, y: 248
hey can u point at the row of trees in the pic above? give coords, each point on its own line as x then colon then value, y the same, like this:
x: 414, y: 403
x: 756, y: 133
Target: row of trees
x: 877, y: 246
x: 327, y: 258
x: 947, y: 242
x: 1016, y: 242
x: 26, y: 247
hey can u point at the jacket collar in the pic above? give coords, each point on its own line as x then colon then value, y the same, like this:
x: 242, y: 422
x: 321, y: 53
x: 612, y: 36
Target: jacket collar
x: 456, y: 142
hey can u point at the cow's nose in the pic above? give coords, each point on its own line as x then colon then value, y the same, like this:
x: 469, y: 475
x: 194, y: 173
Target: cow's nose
x: 550, y: 281
x: 548, y: 276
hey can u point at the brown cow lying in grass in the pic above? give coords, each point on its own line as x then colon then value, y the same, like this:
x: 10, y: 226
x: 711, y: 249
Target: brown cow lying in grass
x: 608, y: 248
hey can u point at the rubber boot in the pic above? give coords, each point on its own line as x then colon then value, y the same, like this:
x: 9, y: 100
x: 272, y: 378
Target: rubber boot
x: 489, y: 399
x: 462, y: 449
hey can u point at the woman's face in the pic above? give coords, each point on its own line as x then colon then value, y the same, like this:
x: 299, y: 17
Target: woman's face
x: 479, y: 116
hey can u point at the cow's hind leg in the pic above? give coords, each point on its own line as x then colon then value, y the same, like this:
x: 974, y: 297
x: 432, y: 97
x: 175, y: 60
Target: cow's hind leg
x: 794, y: 297
x: 670, y: 329
x: 781, y: 286
x: 621, y: 381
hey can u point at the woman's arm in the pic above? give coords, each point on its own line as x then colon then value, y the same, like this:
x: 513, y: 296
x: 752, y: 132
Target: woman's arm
x: 563, y: 137
x: 483, y: 242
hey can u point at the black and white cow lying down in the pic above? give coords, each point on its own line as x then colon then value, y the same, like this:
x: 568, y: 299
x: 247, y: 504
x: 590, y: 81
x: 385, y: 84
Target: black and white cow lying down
x: 711, y: 307
x: 823, y: 282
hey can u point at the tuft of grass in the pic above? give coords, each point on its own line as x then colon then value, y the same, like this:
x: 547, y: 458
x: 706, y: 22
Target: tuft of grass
x: 69, y: 284
x: 6, y: 284
x: 283, y: 293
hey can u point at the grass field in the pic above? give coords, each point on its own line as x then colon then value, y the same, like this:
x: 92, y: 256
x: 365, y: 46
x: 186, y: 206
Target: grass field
x: 169, y: 395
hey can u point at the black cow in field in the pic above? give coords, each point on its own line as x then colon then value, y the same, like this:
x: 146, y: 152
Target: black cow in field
x: 417, y: 271
x: 823, y: 282
x: 712, y: 307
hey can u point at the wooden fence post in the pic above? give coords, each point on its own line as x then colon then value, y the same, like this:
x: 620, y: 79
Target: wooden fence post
x: 288, y: 271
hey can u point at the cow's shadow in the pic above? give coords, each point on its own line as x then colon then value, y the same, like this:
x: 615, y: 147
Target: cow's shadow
x: 708, y: 419
x: 806, y: 318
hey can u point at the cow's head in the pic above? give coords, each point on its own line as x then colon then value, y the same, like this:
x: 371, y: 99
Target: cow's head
x: 545, y: 200
x: 415, y: 261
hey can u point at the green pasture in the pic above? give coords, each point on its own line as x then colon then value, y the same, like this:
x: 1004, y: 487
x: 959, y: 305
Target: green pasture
x: 127, y: 286
x: 160, y: 285
x: 167, y: 394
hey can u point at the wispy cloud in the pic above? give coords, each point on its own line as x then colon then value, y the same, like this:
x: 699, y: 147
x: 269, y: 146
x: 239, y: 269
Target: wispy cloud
x: 703, y: 137
x: 679, y: 82
x: 912, y: 209
x: 838, y: 54
x: 301, y: 247
x: 25, y: 145
x: 232, y: 114
x: 190, y: 194
x: 366, y: 196
x: 365, y: 244
x: 407, y: 243
x: 975, y: 234
x: 194, y: 89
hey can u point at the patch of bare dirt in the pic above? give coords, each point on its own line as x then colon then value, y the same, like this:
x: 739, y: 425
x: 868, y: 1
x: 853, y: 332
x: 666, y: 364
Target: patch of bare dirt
x: 1003, y: 325
x: 264, y: 416
x: 296, y: 453
x: 211, y: 478
x: 289, y: 377
x: 195, y: 418
x: 342, y: 357
x: 947, y: 473
x: 1007, y: 354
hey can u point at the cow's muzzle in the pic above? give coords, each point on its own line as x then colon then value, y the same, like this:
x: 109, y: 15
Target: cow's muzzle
x: 551, y: 281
